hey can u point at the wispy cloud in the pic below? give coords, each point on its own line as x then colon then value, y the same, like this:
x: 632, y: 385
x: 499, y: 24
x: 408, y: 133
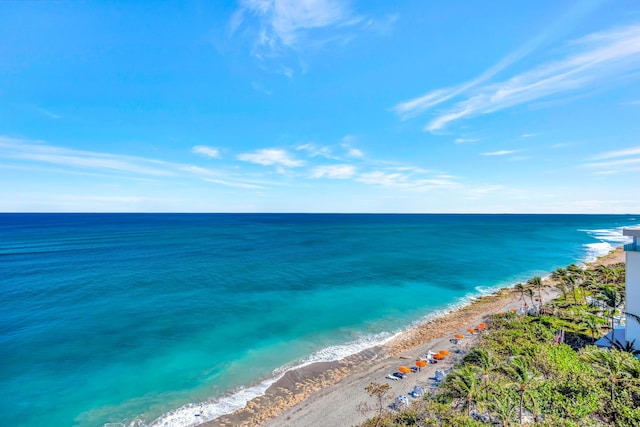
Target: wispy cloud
x: 354, y: 152
x: 92, y: 163
x: 278, y: 25
x: 335, y: 152
x: 315, y: 150
x: 598, y: 57
x: 632, y: 151
x: 465, y: 140
x: 617, y: 161
x: 499, y: 153
x: 405, y: 181
x: 334, y: 171
x: 206, y: 151
x: 271, y: 156
x: 44, y: 153
x: 351, y: 151
x: 48, y: 113
x: 235, y: 184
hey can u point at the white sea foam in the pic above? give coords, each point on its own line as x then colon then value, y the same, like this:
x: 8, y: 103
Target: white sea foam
x: 339, y: 352
x: 193, y: 414
x: 609, y: 239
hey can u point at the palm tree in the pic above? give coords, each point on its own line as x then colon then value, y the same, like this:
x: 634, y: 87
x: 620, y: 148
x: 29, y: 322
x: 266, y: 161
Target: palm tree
x: 530, y: 294
x: 627, y: 346
x: 520, y: 288
x: 611, y: 298
x: 536, y: 283
x: 571, y: 282
x: 503, y: 407
x: 463, y: 384
x: 606, y: 273
x: 562, y: 288
x: 592, y: 324
x: 575, y: 270
x: 524, y: 380
x: 484, y: 363
x: 609, y: 363
x: 559, y: 274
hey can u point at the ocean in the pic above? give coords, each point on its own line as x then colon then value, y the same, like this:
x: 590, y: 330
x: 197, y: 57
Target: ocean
x: 148, y: 319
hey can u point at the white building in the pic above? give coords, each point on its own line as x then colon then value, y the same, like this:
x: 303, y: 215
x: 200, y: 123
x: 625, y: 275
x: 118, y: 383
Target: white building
x: 632, y: 252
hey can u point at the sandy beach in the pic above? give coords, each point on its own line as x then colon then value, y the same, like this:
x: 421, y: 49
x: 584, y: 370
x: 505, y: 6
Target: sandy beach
x: 332, y: 393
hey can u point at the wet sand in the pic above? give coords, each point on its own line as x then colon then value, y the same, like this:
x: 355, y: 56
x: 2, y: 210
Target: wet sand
x: 332, y: 393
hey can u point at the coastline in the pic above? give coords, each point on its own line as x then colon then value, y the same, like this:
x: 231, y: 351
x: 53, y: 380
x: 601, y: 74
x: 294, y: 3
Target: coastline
x: 331, y: 393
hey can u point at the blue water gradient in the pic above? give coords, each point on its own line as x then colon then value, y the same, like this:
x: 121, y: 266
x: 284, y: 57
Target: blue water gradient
x: 124, y: 318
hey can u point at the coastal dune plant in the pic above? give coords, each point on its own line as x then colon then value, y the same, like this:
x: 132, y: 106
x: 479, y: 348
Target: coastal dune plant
x: 380, y: 394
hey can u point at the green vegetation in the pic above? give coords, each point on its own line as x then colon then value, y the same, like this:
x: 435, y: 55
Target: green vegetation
x: 519, y: 374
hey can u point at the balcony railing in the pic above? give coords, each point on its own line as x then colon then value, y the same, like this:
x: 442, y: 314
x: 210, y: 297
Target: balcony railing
x: 631, y: 247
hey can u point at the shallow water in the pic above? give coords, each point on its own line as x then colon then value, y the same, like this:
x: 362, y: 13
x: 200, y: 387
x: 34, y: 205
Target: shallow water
x: 125, y: 318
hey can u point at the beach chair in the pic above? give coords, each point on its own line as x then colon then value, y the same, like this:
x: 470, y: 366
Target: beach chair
x: 401, y: 401
x: 391, y: 377
x: 417, y: 392
x: 440, y: 375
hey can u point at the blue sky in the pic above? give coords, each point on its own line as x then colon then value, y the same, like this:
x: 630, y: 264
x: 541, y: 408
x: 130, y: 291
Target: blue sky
x: 320, y: 106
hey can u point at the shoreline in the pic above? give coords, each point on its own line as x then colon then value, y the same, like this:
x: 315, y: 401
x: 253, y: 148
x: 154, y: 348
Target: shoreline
x: 331, y: 393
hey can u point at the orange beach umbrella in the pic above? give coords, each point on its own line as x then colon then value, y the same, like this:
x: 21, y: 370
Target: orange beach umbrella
x: 421, y: 363
x: 404, y: 369
x: 438, y: 356
x: 471, y: 331
x: 484, y: 325
x: 459, y: 336
x: 444, y: 352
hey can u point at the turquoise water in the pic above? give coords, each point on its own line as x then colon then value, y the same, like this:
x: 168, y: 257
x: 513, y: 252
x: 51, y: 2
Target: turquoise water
x: 140, y: 319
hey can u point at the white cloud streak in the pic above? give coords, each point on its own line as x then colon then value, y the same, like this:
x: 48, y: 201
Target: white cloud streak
x: 404, y: 181
x: 89, y: 162
x: 613, y: 162
x: 212, y: 152
x: 354, y: 152
x: 598, y: 57
x: 287, y: 23
x: 334, y: 171
x: 271, y: 156
x: 44, y: 153
x: 315, y: 150
x: 499, y: 153
x: 235, y: 184
x: 633, y: 151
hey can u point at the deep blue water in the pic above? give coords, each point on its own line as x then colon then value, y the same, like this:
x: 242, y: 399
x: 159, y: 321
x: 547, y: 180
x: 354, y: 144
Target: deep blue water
x: 125, y: 318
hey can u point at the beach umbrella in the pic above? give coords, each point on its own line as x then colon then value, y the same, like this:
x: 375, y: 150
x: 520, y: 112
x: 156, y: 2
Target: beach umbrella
x: 404, y: 369
x: 484, y: 325
x: 444, y: 352
x: 438, y: 356
x: 421, y: 363
x: 459, y: 336
x: 471, y: 331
